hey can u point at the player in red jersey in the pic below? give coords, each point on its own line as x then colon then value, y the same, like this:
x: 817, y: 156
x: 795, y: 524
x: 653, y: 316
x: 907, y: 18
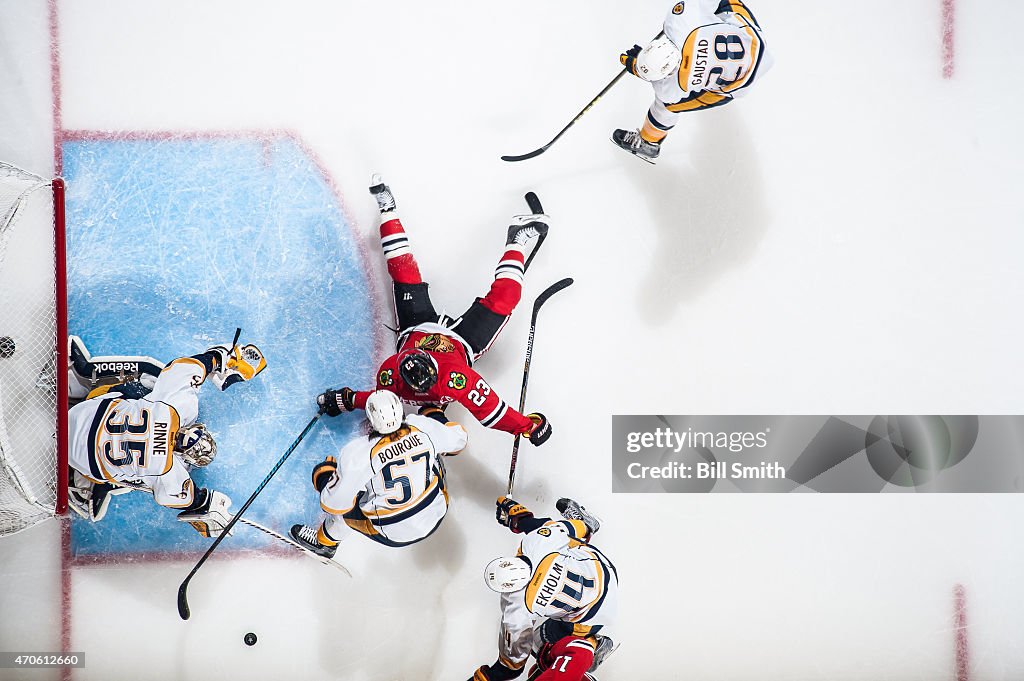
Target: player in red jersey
x: 435, y: 354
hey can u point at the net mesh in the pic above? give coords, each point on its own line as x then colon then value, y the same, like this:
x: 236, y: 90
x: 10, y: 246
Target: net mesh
x: 28, y: 332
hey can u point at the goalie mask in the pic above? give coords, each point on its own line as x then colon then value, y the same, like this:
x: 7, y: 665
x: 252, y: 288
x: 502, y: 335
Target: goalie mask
x: 195, y: 445
x: 418, y: 370
x: 507, y: 574
x: 658, y: 60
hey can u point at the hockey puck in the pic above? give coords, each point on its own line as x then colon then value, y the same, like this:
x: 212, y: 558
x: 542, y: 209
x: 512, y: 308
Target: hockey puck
x: 250, y: 639
x: 7, y: 346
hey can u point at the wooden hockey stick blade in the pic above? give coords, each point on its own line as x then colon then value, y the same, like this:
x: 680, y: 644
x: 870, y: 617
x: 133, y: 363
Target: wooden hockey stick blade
x: 285, y: 540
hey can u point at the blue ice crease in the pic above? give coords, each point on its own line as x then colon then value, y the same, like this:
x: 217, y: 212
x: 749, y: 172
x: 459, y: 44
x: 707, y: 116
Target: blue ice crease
x: 174, y: 243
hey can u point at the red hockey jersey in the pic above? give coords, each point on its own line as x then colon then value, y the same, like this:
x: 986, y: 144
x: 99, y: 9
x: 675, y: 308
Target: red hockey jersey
x: 456, y: 382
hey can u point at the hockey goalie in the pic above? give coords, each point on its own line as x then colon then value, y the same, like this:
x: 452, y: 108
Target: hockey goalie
x: 136, y: 429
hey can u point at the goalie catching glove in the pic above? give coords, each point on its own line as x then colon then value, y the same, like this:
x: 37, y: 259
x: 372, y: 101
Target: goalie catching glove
x: 236, y: 365
x: 209, y: 513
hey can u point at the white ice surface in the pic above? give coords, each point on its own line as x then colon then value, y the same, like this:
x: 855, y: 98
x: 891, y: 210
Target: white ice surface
x: 845, y: 240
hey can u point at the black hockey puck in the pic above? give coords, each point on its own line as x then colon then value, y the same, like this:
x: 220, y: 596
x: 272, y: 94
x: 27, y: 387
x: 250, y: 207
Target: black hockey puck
x: 250, y: 639
x: 7, y: 346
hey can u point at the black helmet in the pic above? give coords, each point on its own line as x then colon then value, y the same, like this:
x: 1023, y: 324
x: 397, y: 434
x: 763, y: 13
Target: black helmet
x: 418, y: 370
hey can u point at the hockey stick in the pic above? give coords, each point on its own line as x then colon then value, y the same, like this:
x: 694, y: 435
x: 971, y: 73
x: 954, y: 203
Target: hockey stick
x: 280, y: 537
x: 541, y: 299
x: 183, y: 610
x: 534, y: 203
x: 538, y: 152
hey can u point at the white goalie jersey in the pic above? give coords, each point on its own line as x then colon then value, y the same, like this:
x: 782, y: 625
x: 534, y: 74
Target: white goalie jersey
x: 130, y: 442
x: 572, y: 582
x: 392, y: 487
x: 723, y: 52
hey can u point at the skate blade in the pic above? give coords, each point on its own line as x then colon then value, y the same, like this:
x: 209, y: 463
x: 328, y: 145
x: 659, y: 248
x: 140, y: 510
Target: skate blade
x: 651, y: 161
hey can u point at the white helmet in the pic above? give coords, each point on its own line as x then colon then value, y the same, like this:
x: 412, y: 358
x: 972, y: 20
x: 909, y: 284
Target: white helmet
x: 196, y: 446
x: 385, y: 412
x: 507, y: 574
x: 658, y: 60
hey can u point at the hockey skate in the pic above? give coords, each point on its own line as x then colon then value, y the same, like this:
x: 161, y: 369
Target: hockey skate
x: 631, y: 141
x: 571, y: 510
x: 305, y: 537
x: 381, y: 192
x: 526, y: 233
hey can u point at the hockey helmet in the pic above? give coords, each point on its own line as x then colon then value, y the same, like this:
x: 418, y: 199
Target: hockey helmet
x: 384, y: 411
x: 507, y: 574
x: 658, y: 60
x: 196, y: 445
x: 418, y: 369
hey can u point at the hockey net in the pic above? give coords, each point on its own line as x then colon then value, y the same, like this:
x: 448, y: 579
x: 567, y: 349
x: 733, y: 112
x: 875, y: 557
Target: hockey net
x: 33, y: 373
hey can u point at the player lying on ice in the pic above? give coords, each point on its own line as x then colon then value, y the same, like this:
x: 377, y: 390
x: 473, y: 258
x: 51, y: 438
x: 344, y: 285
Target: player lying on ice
x: 435, y: 354
x: 389, y: 485
x: 133, y: 436
x: 559, y: 597
x: 710, y: 52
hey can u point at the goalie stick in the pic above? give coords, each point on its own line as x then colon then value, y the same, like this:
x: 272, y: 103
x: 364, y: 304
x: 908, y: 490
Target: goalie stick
x: 280, y: 537
x: 183, y: 610
x: 541, y: 299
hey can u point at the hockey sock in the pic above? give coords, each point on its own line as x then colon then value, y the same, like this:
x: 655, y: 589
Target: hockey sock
x: 651, y: 134
x: 401, y: 263
x: 507, y: 288
x: 324, y: 538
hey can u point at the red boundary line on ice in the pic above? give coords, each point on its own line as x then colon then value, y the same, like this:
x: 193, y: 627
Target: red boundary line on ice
x: 948, y: 24
x: 60, y: 136
x: 963, y: 657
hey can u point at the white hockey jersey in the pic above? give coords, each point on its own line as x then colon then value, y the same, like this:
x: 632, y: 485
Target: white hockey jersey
x: 396, y: 480
x: 130, y: 442
x: 723, y: 52
x: 572, y: 582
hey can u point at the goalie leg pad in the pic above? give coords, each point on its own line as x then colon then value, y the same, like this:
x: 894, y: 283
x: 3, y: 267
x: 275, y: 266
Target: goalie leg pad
x: 86, y: 373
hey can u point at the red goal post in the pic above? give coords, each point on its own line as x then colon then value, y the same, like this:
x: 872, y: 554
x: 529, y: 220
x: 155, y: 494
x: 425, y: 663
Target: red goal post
x: 33, y: 350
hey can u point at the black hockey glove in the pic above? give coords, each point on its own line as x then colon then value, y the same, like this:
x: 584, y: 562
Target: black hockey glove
x: 628, y: 58
x: 433, y: 411
x: 333, y: 402
x: 322, y: 473
x: 541, y: 430
x: 495, y: 672
x: 510, y: 513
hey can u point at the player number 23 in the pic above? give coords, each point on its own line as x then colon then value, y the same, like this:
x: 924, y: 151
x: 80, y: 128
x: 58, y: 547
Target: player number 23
x: 478, y: 395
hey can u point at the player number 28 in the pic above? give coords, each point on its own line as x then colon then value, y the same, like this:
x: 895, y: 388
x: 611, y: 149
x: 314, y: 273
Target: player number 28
x: 729, y: 47
x: 479, y: 394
